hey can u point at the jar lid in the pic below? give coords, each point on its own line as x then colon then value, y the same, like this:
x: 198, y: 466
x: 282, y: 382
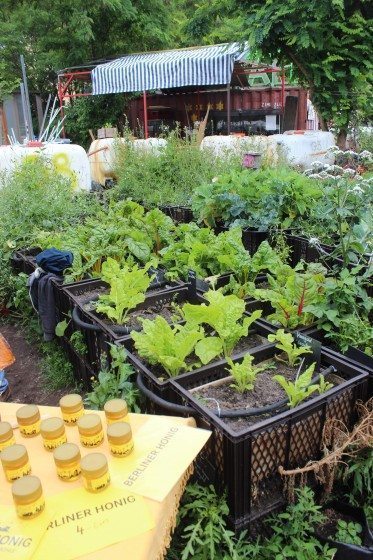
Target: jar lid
x: 89, y: 424
x: 27, y: 489
x: 14, y: 455
x: 119, y: 433
x: 66, y: 453
x: 52, y: 428
x: 6, y: 431
x: 116, y: 407
x: 28, y: 414
x: 71, y: 403
x: 94, y: 465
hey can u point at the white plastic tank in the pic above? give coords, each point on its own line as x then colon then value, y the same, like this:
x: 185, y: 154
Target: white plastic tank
x: 302, y: 147
x: 69, y: 160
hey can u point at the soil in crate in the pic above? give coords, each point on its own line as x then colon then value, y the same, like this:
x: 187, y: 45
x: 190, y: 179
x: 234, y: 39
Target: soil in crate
x: 328, y: 529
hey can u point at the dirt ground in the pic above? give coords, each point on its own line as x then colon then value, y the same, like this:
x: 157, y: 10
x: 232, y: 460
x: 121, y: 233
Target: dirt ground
x: 24, y: 376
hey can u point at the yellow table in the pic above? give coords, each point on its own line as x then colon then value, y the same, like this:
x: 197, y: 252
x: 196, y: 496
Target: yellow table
x: 148, y: 546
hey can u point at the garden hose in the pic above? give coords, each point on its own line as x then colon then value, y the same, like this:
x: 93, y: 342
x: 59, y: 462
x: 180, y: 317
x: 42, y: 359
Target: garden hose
x: 222, y: 413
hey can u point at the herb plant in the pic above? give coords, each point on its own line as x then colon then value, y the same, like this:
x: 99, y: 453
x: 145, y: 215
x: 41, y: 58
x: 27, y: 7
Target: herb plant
x: 225, y: 316
x: 285, y: 342
x: 300, y: 389
x: 127, y: 289
x: 348, y: 532
x: 244, y: 373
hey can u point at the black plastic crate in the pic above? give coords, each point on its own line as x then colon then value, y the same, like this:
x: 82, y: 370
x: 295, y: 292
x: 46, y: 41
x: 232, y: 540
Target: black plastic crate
x: 252, y: 238
x: 24, y: 260
x: 81, y: 370
x: 246, y: 462
x: 179, y: 214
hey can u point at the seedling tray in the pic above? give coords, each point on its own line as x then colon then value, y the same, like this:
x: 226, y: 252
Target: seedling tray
x: 246, y: 462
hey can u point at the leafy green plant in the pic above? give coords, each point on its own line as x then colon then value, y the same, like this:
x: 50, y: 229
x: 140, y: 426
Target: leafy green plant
x: 285, y: 342
x: 78, y: 343
x: 114, y: 383
x: 127, y: 289
x: 300, y: 389
x: 244, y: 373
x: 225, y: 315
x: 322, y: 385
x: 348, y: 532
x: 358, y: 474
x: 167, y: 345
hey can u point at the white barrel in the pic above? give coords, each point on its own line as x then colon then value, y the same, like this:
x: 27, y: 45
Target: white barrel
x: 305, y: 146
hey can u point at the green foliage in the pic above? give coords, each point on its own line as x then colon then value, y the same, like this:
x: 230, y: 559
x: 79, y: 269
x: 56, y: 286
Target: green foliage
x: 167, y: 175
x: 167, y: 345
x: 300, y: 389
x: 358, y: 475
x: 285, y: 342
x: 294, y: 294
x: 78, y: 343
x: 348, y: 532
x: 323, y: 386
x: 225, y: 315
x: 244, y: 373
x: 264, y: 198
x: 57, y: 371
x: 117, y: 382
x: 127, y: 289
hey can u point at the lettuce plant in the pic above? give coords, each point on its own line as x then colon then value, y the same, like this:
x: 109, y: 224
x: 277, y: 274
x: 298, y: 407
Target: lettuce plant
x: 300, y: 389
x: 285, y: 342
x: 244, y: 373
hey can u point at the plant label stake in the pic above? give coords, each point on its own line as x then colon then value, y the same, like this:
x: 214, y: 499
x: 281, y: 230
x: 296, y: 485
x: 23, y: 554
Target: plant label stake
x: 315, y: 346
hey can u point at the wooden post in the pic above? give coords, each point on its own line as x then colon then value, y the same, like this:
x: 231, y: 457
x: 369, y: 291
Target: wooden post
x: 145, y: 116
x: 4, y: 124
x: 228, y: 108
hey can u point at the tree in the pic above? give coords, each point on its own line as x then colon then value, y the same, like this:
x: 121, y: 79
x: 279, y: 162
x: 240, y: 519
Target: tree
x: 328, y: 41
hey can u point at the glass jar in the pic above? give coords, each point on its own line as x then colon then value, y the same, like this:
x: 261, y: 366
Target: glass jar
x: 15, y: 462
x: 67, y: 459
x: 53, y: 433
x: 90, y: 430
x: 72, y: 408
x: 28, y: 497
x: 116, y: 410
x: 6, y: 435
x: 95, y: 471
x: 28, y: 418
x: 120, y: 440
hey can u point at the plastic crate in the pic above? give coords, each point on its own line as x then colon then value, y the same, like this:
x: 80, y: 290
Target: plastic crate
x: 81, y: 370
x: 24, y: 260
x: 179, y: 214
x: 246, y: 462
x: 252, y: 238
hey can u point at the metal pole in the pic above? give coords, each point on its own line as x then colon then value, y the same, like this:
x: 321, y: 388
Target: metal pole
x: 24, y: 109
x: 60, y: 97
x: 228, y: 108
x: 45, y: 115
x: 27, y: 99
x: 282, y: 97
x: 145, y: 115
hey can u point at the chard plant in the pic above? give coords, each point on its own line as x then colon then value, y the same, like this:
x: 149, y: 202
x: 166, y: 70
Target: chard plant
x: 300, y: 389
x: 167, y: 345
x: 285, y: 342
x: 127, y: 290
x: 244, y: 373
x: 225, y: 316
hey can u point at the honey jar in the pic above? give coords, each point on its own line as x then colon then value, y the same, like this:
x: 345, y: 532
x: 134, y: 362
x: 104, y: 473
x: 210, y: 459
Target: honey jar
x: 90, y: 430
x: 120, y: 440
x: 28, y: 418
x: 72, y: 408
x: 53, y: 433
x: 15, y: 462
x: 67, y: 459
x: 116, y: 411
x: 95, y: 471
x: 6, y: 435
x: 28, y: 497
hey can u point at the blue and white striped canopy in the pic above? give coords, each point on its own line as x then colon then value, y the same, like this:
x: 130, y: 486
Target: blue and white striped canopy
x: 197, y: 66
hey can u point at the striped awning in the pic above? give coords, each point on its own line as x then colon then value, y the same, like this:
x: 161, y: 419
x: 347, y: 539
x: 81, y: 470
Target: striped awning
x: 197, y: 66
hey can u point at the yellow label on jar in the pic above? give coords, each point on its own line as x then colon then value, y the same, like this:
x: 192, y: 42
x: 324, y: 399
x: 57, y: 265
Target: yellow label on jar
x: 113, y: 420
x: 121, y: 450
x: 31, y: 430
x: 72, y: 418
x: 13, y: 474
x: 51, y: 444
x: 69, y: 473
x: 27, y: 511
x: 6, y: 444
x: 97, y: 484
x: 92, y: 441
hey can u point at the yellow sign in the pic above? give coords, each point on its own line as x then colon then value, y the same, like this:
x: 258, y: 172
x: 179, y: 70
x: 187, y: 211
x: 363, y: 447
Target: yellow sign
x: 19, y: 539
x: 166, y: 451
x: 88, y: 522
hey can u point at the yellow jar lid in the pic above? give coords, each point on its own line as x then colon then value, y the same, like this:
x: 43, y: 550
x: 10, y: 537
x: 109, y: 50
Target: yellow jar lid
x: 6, y: 431
x: 94, y: 465
x: 66, y: 453
x: 116, y: 408
x: 28, y: 414
x: 52, y: 428
x: 119, y: 433
x: 14, y: 456
x: 27, y: 489
x: 89, y: 424
x: 71, y: 403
